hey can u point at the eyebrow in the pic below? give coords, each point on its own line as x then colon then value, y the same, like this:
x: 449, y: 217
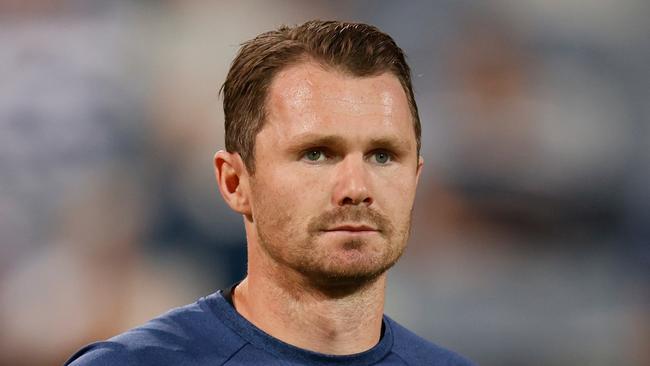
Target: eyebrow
x: 306, y: 141
x: 393, y: 144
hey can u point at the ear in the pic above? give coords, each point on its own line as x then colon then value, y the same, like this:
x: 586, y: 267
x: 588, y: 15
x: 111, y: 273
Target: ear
x: 233, y: 181
x: 419, y: 169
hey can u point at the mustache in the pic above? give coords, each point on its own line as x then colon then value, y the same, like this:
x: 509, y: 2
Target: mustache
x: 353, y: 214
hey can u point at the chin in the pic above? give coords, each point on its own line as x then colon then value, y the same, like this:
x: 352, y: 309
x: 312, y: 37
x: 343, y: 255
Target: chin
x: 353, y: 263
x: 344, y: 279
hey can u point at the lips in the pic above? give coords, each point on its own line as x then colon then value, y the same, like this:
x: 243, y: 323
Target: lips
x: 352, y: 228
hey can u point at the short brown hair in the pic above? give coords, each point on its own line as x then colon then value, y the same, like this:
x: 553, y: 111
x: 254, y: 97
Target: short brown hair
x: 353, y: 48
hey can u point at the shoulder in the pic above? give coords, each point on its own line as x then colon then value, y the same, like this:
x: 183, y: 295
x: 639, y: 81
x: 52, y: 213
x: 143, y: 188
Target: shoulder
x: 100, y: 354
x: 416, y: 350
x: 177, y: 337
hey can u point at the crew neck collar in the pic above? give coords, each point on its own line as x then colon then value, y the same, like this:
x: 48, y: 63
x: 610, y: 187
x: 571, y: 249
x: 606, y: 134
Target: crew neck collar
x: 224, y: 311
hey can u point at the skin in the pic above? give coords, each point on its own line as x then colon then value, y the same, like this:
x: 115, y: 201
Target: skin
x: 328, y: 209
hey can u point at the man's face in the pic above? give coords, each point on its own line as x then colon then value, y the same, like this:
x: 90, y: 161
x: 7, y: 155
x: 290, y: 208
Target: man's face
x: 336, y: 169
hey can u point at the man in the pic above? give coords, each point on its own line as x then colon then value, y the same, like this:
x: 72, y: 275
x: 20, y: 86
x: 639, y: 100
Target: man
x: 322, y: 162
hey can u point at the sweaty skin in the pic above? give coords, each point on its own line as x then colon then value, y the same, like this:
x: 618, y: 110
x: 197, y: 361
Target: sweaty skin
x: 328, y: 209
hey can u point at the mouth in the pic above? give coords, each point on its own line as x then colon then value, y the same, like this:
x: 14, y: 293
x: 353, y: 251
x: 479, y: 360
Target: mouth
x: 352, y: 229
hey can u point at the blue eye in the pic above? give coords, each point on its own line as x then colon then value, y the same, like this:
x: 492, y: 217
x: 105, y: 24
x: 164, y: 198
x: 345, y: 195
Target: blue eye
x: 314, y: 155
x: 382, y: 157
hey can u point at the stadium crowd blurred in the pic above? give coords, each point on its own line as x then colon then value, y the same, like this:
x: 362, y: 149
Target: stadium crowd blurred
x: 531, y: 231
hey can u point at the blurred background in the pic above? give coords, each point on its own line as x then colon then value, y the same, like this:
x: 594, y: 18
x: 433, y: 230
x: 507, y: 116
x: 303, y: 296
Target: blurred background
x: 531, y: 237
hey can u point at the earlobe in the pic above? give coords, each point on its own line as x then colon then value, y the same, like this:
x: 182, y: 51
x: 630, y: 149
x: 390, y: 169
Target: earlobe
x: 232, y: 179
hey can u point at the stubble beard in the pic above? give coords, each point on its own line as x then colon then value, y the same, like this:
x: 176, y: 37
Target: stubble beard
x: 326, y: 264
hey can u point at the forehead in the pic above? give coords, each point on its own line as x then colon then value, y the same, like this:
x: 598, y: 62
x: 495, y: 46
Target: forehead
x: 308, y: 98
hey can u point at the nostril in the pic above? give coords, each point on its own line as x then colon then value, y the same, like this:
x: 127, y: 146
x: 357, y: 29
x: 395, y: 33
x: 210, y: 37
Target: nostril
x: 347, y: 201
x: 352, y: 201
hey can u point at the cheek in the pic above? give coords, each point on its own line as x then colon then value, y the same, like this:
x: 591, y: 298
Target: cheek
x: 304, y: 184
x: 284, y: 197
x: 394, y: 193
x: 270, y: 202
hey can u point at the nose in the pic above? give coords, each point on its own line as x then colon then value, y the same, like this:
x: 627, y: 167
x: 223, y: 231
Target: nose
x: 352, y: 183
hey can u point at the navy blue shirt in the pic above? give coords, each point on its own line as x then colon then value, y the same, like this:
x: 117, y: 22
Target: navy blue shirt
x: 211, y: 332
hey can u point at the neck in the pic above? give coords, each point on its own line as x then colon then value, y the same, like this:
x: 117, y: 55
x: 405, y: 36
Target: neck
x: 337, y: 320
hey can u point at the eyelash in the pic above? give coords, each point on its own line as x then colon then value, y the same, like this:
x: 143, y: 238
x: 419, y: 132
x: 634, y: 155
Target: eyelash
x: 326, y: 155
x: 390, y: 156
